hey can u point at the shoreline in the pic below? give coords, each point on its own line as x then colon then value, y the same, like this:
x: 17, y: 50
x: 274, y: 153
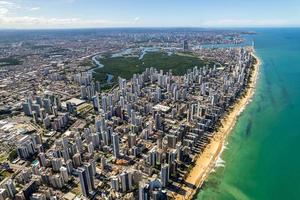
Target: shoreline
x: 206, y: 161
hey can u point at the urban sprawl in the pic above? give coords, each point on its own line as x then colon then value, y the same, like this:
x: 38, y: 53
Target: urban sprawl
x: 64, y: 136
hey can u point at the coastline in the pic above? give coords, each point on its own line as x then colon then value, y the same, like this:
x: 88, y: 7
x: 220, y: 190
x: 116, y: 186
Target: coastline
x: 206, y: 161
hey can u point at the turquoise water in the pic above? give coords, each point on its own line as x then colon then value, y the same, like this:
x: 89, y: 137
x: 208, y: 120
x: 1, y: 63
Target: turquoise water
x: 262, y: 159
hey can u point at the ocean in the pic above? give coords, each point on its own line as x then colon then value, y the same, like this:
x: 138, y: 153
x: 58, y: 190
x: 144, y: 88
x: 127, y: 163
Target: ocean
x: 261, y: 160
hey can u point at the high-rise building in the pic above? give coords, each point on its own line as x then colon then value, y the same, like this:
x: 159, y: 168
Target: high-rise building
x: 185, y: 45
x: 10, y: 188
x: 114, y: 181
x: 56, y: 164
x: 131, y: 139
x: 47, y: 105
x: 27, y: 109
x: 95, y: 139
x: 158, y: 93
x: 85, y: 180
x: 164, y: 174
x: 64, y: 174
x: 29, y: 189
x: 69, y: 166
x: 42, y: 159
x: 116, y: 148
x: 91, y: 167
x: 83, y: 92
x: 133, y: 117
x: 37, y: 109
x: 126, y: 181
x: 157, y: 119
x: 91, y: 148
x: 103, y: 162
x: 96, y: 102
x: 171, y: 141
x: 26, y: 147
x: 46, y: 122
x: 77, y: 160
x: 79, y: 143
x: 39, y: 100
x: 143, y: 191
x: 65, y: 154
x: 104, y: 103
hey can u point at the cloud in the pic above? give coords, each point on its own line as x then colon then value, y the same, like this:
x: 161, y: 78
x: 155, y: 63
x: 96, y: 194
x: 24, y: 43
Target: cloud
x: 44, y: 22
x: 5, y: 6
x: 245, y: 22
x: 6, y: 3
x: 34, y: 9
x: 10, y: 19
x: 136, y: 20
x: 70, y: 1
x: 7, y: 20
x: 3, y: 11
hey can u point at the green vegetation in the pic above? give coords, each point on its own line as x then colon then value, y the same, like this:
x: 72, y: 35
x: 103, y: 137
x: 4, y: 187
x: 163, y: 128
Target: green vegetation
x: 41, y: 46
x: 88, y: 62
x: 12, y: 155
x: 9, y: 61
x: 127, y: 66
x: 3, y: 157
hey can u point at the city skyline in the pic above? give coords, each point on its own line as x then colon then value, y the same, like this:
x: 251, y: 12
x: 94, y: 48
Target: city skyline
x: 31, y: 14
x: 159, y: 99
x: 85, y: 115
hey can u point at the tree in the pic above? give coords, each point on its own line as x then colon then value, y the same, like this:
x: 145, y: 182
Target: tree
x: 12, y: 155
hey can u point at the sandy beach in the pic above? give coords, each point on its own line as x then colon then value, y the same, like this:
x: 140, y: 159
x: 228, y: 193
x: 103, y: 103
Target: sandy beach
x: 207, y: 160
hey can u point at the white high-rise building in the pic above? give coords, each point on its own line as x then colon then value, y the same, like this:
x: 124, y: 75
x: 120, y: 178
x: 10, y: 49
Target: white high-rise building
x: 64, y: 174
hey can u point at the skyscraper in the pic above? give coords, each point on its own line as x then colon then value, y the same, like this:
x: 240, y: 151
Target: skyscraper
x: 126, y: 181
x: 96, y: 103
x: 85, y: 182
x: 64, y: 174
x: 116, y: 148
x: 27, y: 109
x: 164, y: 175
x: 42, y: 159
x: 56, y: 164
x: 90, y: 168
x: 114, y: 183
x: 185, y: 45
x: 10, y: 188
x: 143, y: 191
x: 131, y: 139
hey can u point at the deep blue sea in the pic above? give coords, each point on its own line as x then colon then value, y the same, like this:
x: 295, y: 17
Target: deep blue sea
x: 262, y: 157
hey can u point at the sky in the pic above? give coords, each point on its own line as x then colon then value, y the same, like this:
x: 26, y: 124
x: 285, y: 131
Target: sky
x: 36, y: 14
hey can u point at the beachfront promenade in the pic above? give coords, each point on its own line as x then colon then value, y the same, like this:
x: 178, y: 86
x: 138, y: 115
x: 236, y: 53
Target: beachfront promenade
x: 206, y: 161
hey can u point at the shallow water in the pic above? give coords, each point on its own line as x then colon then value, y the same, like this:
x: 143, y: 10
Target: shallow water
x: 262, y: 158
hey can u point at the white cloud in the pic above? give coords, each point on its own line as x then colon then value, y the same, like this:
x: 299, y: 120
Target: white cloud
x: 136, y: 20
x: 44, y: 22
x: 70, y: 1
x: 5, y: 6
x: 245, y: 22
x: 3, y: 11
x: 8, y: 5
x: 7, y: 20
x: 34, y: 9
x: 5, y: 3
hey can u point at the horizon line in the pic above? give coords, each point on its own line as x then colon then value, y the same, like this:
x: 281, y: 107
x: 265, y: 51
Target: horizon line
x: 150, y: 27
